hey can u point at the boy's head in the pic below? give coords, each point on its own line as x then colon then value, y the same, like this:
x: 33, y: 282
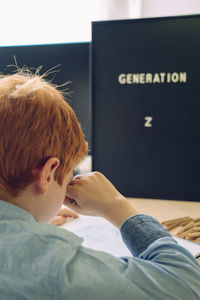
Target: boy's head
x: 36, y: 124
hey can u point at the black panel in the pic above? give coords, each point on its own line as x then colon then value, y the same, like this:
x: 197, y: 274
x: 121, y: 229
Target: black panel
x: 162, y: 159
x: 74, y: 61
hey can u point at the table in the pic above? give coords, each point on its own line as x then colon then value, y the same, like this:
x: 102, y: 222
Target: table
x: 166, y: 209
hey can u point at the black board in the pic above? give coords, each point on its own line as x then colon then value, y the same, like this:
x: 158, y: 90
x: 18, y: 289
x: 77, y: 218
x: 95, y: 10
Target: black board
x: 146, y: 106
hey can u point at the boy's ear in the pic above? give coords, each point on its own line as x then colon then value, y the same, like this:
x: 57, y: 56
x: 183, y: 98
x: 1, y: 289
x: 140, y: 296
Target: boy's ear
x: 46, y: 174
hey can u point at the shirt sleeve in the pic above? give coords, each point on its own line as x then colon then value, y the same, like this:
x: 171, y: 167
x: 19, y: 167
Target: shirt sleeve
x: 139, y: 231
x: 159, y: 269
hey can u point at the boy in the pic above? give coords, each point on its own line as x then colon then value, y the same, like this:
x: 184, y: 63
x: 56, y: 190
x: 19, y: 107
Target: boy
x: 41, y: 143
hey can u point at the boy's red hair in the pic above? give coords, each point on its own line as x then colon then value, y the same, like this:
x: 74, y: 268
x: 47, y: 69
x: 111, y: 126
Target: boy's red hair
x: 36, y: 123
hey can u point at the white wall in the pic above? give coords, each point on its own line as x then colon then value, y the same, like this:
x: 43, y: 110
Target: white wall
x: 157, y: 8
x: 46, y: 21
x: 25, y: 22
x: 120, y: 9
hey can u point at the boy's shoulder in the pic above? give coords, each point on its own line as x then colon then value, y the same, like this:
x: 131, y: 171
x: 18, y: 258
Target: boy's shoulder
x: 51, y: 232
x: 43, y: 248
x: 56, y: 241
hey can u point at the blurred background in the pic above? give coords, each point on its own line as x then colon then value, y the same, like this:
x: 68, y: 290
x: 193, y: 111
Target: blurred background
x: 63, y: 29
x: 31, y: 22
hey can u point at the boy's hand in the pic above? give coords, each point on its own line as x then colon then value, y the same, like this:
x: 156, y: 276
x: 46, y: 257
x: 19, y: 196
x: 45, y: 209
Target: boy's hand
x: 95, y: 195
x: 63, y: 216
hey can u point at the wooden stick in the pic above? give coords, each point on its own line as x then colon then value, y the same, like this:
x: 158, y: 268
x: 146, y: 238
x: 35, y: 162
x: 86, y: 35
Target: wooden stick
x: 190, y: 238
x: 183, y: 223
x: 168, y: 222
x: 172, y: 226
x: 188, y: 226
x: 197, y: 224
x: 194, y: 234
x: 196, y: 220
x: 196, y: 228
x: 182, y: 235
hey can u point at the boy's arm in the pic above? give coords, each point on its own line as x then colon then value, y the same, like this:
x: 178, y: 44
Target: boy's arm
x: 93, y: 194
x: 161, y: 268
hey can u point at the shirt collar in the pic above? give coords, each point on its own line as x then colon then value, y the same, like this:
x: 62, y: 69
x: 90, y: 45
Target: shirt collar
x: 10, y: 211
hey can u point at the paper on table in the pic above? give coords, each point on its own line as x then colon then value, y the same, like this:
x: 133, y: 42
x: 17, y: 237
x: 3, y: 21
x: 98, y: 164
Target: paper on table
x: 99, y: 234
x: 189, y: 245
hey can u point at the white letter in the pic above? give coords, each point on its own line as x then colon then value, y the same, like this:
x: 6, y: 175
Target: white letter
x: 148, y: 121
x: 168, y: 77
x: 183, y: 77
x: 142, y: 79
x: 162, y: 75
x: 122, y: 78
x: 156, y: 78
x: 129, y: 78
x: 136, y: 78
x: 175, y: 77
x: 148, y: 78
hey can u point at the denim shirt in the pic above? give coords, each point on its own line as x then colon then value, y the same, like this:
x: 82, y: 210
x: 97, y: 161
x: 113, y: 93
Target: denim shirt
x: 40, y: 261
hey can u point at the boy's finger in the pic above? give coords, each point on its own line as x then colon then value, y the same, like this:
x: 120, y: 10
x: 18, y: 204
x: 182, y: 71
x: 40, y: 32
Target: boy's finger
x: 70, y: 192
x: 66, y: 212
x: 59, y: 220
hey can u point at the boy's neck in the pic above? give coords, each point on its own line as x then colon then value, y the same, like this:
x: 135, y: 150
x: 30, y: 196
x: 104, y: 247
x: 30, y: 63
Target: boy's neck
x: 26, y: 200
